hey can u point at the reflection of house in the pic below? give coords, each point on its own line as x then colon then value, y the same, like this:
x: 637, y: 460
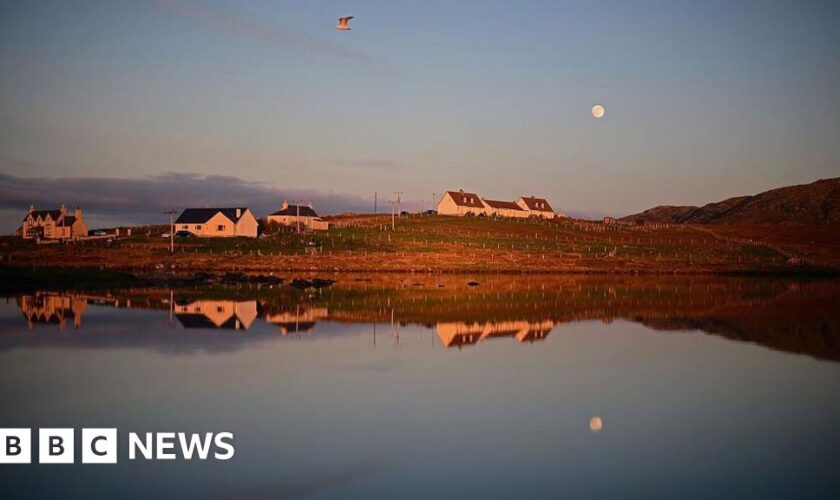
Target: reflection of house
x: 460, y: 203
x: 226, y: 314
x: 291, y: 215
x: 52, y: 309
x: 297, y: 321
x: 535, y: 331
x: 53, y: 224
x: 457, y: 334
x: 218, y: 222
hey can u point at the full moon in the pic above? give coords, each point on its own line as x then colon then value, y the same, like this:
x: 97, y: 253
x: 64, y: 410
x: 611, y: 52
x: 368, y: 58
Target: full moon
x: 598, y: 111
x: 595, y: 423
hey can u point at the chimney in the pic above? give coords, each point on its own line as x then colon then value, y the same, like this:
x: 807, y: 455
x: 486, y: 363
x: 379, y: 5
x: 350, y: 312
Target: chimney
x: 285, y: 205
x: 310, y: 204
x: 238, y: 213
x: 78, y: 212
x: 31, y: 208
x: 63, y: 209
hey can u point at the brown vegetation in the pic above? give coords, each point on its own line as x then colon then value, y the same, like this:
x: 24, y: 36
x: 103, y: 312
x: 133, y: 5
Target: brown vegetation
x: 452, y: 244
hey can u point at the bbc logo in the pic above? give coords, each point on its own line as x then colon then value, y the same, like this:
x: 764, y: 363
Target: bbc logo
x: 57, y: 446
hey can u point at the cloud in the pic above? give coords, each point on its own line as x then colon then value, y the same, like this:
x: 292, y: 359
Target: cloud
x: 141, y: 200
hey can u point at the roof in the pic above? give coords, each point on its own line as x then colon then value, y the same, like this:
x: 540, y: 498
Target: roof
x: 305, y: 211
x: 533, y: 204
x: 510, y: 205
x: 201, y: 215
x: 463, y: 199
x: 69, y: 219
x: 198, y: 320
x: 55, y: 214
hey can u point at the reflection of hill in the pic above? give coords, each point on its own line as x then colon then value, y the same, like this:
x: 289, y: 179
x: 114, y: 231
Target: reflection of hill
x: 806, y: 322
x: 792, y: 316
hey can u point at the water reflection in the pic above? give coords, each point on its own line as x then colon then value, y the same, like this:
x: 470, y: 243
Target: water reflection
x: 459, y: 334
x: 792, y: 316
x: 225, y: 314
x: 601, y: 387
x: 53, y: 308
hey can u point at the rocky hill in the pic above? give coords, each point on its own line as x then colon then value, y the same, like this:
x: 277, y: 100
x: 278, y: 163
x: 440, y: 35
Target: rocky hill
x: 815, y: 203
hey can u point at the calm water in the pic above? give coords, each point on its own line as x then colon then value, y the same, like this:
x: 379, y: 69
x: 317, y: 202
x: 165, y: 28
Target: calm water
x: 416, y: 387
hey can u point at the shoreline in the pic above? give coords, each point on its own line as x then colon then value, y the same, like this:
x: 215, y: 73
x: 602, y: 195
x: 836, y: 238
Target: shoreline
x: 28, y: 278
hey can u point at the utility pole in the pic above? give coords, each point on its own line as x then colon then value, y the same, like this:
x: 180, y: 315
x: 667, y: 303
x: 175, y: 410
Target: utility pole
x: 393, y: 214
x: 375, y: 211
x: 297, y: 219
x: 171, y: 230
x: 398, y: 195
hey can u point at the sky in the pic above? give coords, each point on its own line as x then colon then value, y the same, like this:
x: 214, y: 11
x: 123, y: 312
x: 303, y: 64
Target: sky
x: 704, y: 100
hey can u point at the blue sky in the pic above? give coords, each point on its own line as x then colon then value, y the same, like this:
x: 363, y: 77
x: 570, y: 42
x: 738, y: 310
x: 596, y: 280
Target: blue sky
x: 705, y: 100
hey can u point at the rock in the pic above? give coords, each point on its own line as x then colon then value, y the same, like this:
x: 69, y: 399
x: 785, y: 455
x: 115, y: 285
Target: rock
x: 269, y: 280
x: 321, y: 283
x: 301, y: 284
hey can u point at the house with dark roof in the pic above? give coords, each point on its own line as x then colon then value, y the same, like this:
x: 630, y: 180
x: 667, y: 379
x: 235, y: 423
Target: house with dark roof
x: 303, y: 216
x: 463, y: 204
x: 460, y: 203
x: 536, y: 207
x: 53, y: 224
x: 218, y: 222
x: 499, y: 208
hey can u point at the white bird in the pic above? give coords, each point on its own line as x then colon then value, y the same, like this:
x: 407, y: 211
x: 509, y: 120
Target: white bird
x: 342, y: 23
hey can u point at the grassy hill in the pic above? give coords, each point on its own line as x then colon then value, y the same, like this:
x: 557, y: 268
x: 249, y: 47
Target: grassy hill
x: 439, y: 244
x: 807, y: 204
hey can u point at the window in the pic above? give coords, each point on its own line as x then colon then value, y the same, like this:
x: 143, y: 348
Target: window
x: 185, y: 226
x: 220, y: 227
x: 198, y: 227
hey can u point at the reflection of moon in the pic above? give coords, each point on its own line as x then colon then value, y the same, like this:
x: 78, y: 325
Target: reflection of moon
x: 595, y: 424
x: 598, y: 111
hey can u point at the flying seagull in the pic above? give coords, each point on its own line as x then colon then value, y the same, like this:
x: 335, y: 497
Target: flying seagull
x: 342, y: 23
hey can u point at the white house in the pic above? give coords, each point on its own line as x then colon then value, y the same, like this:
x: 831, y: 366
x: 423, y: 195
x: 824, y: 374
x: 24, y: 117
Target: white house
x: 536, y: 207
x: 53, y: 224
x: 499, y: 208
x: 218, y: 222
x: 291, y: 215
x: 460, y: 203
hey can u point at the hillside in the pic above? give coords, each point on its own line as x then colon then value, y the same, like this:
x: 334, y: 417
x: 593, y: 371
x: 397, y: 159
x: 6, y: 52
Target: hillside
x: 806, y: 204
x: 368, y: 243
